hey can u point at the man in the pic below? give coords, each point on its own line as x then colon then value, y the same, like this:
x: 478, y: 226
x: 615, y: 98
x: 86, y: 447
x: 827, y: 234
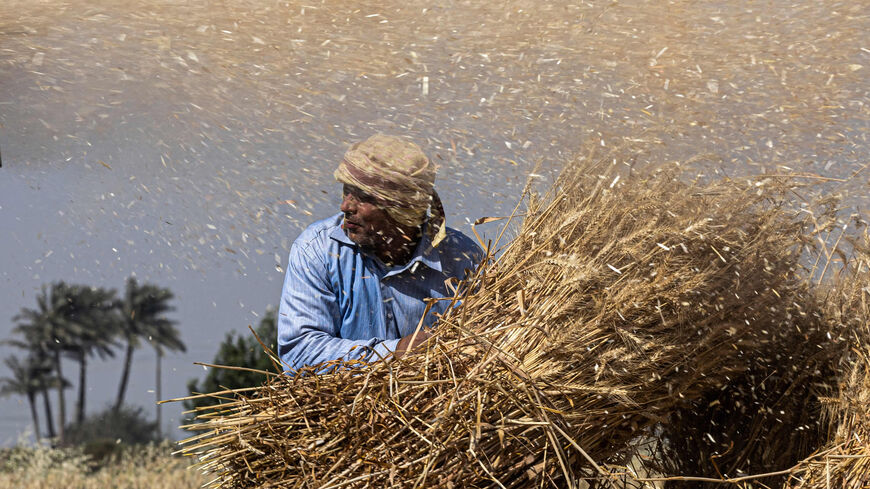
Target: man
x: 356, y: 282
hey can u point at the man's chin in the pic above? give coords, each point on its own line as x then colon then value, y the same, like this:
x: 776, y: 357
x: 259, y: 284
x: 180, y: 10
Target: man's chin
x: 360, y: 239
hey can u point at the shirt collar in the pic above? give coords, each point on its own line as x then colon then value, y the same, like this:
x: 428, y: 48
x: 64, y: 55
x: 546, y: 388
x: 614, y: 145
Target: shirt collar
x: 424, y: 252
x: 337, y: 234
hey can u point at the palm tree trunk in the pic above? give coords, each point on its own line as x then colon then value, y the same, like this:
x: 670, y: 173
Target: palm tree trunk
x: 125, y: 376
x: 49, y: 419
x: 31, y: 398
x: 159, y: 387
x: 80, y: 405
x: 61, y: 401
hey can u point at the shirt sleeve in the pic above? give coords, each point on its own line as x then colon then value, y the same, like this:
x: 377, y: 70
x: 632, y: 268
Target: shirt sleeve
x: 309, y: 318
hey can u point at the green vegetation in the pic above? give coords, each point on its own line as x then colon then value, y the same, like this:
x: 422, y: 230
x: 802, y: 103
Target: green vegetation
x: 119, y: 446
x: 241, y: 350
x: 105, y: 435
x: 80, y: 322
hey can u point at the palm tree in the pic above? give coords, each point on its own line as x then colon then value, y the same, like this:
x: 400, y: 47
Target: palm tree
x: 90, y: 313
x: 25, y: 381
x: 46, y: 331
x: 34, y: 376
x: 46, y: 382
x: 69, y: 320
x: 163, y: 336
x: 38, y: 355
x: 142, y: 316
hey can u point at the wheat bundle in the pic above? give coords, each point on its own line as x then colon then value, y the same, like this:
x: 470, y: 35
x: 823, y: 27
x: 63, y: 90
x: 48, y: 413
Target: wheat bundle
x: 767, y: 418
x: 776, y: 413
x: 844, y: 462
x: 618, y: 301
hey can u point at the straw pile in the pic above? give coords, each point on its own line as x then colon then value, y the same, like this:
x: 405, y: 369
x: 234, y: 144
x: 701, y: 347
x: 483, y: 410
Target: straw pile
x: 844, y: 462
x: 615, y: 304
x: 767, y: 422
x: 767, y: 418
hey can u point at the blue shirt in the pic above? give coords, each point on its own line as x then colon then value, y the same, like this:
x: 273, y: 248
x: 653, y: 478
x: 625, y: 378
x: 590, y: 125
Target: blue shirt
x: 339, y: 302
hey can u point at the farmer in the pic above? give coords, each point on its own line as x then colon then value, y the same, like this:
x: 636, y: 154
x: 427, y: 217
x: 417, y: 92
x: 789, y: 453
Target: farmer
x: 356, y: 282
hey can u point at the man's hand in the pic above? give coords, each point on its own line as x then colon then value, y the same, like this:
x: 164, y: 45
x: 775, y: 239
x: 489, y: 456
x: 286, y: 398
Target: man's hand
x: 409, y: 343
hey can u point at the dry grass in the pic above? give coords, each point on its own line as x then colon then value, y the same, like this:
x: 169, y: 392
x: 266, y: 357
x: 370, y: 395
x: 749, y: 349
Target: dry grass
x: 844, y: 462
x: 764, y: 86
x: 777, y: 412
x: 146, y: 467
x: 620, y: 300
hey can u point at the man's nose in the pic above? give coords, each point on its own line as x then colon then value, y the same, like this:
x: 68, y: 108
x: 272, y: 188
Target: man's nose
x: 348, y: 204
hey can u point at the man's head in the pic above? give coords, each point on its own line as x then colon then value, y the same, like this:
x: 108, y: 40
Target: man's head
x: 368, y: 223
x: 389, y: 187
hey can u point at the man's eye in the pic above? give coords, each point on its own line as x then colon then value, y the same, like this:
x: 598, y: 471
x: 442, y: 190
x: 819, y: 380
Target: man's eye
x: 361, y: 197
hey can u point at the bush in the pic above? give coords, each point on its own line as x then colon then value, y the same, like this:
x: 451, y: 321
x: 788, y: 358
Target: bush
x: 103, y: 435
x: 240, y: 350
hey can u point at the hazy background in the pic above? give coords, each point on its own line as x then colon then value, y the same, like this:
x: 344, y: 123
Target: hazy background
x: 189, y: 142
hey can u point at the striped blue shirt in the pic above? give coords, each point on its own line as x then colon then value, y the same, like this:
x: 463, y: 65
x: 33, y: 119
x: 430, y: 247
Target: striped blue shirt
x: 339, y: 302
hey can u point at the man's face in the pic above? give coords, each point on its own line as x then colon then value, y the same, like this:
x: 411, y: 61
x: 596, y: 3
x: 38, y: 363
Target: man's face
x: 366, y: 222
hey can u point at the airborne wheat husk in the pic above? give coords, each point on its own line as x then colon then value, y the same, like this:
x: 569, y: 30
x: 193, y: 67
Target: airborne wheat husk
x: 844, y: 461
x: 618, y: 302
x: 783, y: 420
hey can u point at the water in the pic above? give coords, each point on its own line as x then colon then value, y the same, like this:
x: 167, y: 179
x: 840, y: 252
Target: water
x: 189, y: 142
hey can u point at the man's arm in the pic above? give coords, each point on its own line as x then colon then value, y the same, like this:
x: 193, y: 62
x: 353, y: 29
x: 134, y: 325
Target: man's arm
x: 309, y: 318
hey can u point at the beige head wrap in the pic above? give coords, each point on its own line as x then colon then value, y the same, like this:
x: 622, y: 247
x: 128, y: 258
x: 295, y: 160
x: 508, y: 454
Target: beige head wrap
x: 398, y: 172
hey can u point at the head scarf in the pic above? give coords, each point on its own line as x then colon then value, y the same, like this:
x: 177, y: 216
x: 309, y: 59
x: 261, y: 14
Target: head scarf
x: 397, y: 172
